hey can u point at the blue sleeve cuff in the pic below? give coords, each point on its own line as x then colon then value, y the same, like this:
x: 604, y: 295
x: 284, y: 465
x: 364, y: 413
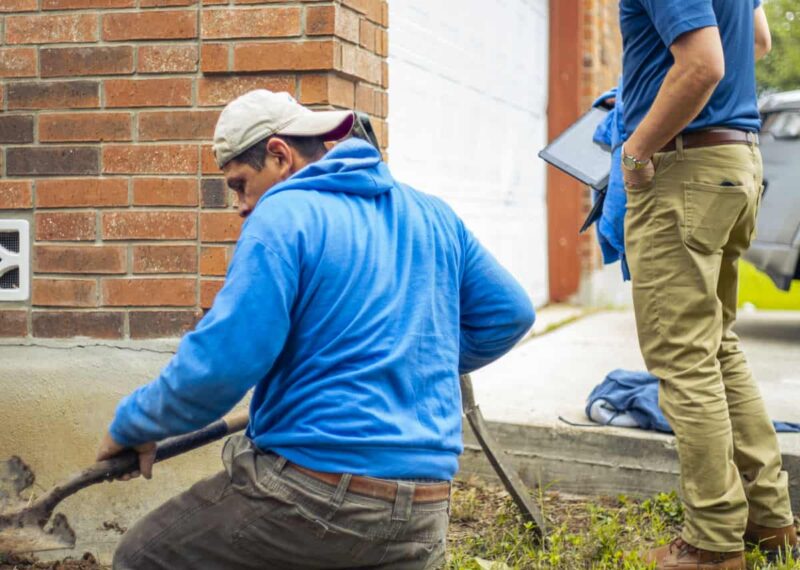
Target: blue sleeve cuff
x: 117, y: 427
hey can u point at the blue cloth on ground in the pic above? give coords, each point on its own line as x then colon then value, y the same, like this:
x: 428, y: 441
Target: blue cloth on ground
x: 630, y: 399
x: 351, y: 305
x: 611, y: 225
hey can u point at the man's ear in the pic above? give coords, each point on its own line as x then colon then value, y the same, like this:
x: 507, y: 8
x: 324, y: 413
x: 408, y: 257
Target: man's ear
x: 280, y: 152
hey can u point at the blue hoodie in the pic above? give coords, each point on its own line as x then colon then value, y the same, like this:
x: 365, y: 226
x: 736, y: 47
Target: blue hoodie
x: 351, y: 304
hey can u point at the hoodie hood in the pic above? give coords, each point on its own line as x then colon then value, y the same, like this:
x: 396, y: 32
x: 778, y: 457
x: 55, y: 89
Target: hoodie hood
x: 352, y: 167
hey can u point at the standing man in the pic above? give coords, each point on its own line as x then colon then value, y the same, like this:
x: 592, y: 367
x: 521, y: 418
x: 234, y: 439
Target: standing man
x: 351, y: 305
x: 693, y: 177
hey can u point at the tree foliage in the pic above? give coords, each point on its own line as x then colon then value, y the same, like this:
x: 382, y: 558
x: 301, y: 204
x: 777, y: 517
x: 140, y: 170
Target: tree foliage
x: 780, y: 69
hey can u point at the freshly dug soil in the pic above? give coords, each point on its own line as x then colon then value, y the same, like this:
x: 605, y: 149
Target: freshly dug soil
x: 85, y: 562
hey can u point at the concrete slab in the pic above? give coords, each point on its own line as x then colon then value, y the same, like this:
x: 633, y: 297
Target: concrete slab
x: 524, y: 394
x: 552, y: 317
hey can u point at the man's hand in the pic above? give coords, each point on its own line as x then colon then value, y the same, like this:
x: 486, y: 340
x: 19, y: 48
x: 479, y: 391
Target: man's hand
x: 638, y: 179
x: 147, y: 456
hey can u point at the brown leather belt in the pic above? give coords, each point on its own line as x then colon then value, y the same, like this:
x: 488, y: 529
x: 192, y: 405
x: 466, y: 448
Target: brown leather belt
x: 378, y: 488
x: 712, y: 137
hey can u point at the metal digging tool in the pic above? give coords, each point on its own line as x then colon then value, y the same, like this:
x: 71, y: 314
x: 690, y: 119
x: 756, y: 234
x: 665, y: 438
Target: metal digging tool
x: 23, y: 521
x: 511, y: 481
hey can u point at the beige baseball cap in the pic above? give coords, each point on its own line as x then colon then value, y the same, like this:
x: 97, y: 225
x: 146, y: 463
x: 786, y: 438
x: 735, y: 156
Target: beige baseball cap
x: 259, y: 114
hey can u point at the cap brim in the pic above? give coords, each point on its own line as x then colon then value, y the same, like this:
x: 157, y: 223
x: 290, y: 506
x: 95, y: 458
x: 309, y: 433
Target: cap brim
x: 330, y: 125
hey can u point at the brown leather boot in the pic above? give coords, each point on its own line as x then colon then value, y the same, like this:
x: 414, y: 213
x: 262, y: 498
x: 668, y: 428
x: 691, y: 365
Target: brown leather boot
x: 773, y: 541
x: 680, y: 555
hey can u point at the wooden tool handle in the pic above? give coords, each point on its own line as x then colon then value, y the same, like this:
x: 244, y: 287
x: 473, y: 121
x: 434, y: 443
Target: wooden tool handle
x: 467, y: 393
x: 233, y: 422
x: 128, y: 461
x: 511, y: 481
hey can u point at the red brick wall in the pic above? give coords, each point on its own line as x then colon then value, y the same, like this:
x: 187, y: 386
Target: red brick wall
x: 108, y: 109
x: 602, y: 66
x: 585, y: 60
x: 602, y: 60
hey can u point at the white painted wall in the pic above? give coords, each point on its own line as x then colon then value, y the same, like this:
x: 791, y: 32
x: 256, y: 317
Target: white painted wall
x: 467, y: 115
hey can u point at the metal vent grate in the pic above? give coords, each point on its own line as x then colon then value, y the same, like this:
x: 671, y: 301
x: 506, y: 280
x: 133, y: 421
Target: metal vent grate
x: 10, y: 279
x: 14, y: 260
x: 10, y: 241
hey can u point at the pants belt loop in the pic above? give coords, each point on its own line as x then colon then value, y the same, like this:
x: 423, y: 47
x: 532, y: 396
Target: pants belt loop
x: 279, y: 464
x: 679, y: 147
x: 338, y: 495
x: 403, y: 502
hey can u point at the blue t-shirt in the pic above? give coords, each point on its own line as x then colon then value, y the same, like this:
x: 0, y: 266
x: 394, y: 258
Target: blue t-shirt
x: 649, y: 27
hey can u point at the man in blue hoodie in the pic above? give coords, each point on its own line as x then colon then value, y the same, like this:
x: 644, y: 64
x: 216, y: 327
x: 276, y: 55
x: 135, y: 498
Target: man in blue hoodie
x: 351, y: 305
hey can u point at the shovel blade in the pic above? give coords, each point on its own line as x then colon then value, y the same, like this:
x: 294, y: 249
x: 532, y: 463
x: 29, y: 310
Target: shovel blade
x: 33, y: 538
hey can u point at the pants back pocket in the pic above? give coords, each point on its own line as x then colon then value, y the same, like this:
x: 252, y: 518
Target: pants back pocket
x: 711, y: 212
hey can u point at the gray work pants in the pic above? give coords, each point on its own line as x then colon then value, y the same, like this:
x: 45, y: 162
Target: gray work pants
x: 261, y: 513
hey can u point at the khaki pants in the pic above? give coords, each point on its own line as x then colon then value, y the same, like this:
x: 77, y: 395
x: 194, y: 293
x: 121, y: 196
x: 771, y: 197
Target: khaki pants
x: 261, y: 513
x: 684, y: 235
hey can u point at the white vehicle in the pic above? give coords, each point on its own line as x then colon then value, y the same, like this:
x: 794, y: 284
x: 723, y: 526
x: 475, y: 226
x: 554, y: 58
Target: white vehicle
x: 776, y: 248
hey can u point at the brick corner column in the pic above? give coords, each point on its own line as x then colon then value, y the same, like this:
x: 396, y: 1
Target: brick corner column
x: 108, y: 111
x: 585, y: 60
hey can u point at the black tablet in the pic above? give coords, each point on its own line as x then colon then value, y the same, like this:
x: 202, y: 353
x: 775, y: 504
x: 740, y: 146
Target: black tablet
x: 574, y: 151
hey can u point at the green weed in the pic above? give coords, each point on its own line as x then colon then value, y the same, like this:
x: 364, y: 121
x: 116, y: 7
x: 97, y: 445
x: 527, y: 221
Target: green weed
x: 583, y: 533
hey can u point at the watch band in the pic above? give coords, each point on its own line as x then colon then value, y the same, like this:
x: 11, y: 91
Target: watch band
x: 630, y: 162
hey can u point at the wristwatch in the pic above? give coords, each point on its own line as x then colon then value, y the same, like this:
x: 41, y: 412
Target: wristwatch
x: 631, y: 162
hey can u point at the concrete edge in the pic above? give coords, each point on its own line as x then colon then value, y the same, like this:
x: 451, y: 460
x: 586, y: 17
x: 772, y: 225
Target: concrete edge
x: 551, y: 317
x: 594, y: 461
x: 162, y: 346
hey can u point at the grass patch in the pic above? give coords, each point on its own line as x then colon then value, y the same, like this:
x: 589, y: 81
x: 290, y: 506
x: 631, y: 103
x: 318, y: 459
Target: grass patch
x: 592, y: 533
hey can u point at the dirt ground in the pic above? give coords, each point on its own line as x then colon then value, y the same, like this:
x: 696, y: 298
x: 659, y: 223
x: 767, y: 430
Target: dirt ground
x: 476, y: 507
x: 85, y: 562
x: 601, y: 533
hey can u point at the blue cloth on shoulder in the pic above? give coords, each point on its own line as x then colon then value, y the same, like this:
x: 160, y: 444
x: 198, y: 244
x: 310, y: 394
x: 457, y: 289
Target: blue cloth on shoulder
x: 630, y: 399
x: 610, y: 226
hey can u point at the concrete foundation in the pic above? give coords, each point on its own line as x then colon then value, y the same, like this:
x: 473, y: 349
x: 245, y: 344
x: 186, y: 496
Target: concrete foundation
x: 57, y: 401
x: 599, y: 461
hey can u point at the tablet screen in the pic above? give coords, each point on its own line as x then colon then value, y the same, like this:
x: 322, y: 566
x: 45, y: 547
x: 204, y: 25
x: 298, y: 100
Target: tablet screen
x: 574, y: 151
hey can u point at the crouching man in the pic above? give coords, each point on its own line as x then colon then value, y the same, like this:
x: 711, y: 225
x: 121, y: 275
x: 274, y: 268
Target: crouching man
x: 351, y: 305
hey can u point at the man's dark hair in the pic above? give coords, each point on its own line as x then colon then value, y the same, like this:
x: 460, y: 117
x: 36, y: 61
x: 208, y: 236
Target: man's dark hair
x: 307, y: 147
